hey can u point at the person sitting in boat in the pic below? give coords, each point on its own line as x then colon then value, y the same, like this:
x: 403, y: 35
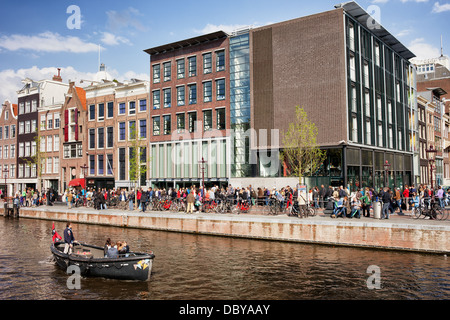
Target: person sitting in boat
x: 124, y: 248
x: 108, y: 245
x: 112, y: 252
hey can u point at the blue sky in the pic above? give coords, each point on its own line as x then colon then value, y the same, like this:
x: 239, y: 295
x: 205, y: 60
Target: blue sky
x: 35, y: 38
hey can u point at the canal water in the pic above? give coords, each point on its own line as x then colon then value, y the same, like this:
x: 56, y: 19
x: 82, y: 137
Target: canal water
x: 200, y: 267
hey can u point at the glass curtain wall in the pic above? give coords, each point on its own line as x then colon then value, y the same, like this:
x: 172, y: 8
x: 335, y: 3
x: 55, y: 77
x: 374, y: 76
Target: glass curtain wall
x: 240, y: 105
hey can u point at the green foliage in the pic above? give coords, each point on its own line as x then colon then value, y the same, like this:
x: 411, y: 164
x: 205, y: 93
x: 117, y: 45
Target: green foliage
x: 301, y: 154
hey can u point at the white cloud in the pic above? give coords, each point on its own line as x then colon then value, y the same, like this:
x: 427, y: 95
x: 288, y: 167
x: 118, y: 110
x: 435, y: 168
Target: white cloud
x: 113, y: 40
x: 46, y: 42
x: 418, y: 1
x: 423, y: 50
x: 380, y: 1
x: 438, y: 8
x: 403, y: 33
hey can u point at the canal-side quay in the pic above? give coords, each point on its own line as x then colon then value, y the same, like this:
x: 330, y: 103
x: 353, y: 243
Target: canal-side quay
x: 397, y: 233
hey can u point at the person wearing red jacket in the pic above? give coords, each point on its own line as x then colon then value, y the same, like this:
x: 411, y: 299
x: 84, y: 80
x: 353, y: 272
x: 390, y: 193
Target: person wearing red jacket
x: 406, y: 196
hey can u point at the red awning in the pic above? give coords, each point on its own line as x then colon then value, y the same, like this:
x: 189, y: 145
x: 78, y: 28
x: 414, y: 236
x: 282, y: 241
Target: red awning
x: 77, y: 182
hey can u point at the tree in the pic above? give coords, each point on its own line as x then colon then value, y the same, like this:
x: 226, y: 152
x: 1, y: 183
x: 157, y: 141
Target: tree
x: 301, y: 154
x: 38, y: 158
x: 137, y: 159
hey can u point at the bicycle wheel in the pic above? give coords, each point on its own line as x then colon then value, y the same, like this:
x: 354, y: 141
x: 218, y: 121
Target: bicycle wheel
x: 235, y: 209
x: 311, y: 212
x: 438, y: 213
x: 416, y: 213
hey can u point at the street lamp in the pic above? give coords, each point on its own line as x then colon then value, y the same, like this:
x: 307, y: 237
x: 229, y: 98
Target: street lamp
x: 431, y: 154
x: 386, y: 171
x: 84, y: 171
x: 202, y: 168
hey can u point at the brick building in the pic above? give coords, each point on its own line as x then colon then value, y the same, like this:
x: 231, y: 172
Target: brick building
x: 190, y: 111
x: 354, y: 81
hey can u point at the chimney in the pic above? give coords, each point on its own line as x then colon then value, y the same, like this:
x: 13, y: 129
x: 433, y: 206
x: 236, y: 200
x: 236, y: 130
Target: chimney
x: 58, y: 77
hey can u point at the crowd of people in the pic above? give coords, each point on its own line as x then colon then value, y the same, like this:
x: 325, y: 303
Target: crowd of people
x: 345, y: 202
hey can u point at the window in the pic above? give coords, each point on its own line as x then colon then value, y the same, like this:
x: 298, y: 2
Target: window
x: 351, y: 36
x: 33, y: 125
x: 56, y: 143
x: 91, y: 138
x: 101, y: 137
x: 380, y: 135
x: 132, y: 107
x: 354, y: 99
x: 101, y: 111
x: 192, y: 93
x: 143, y: 128
x: 167, y: 124
x: 109, y: 137
x: 55, y: 164
x: 122, y: 108
x: 207, y: 63
x: 109, y: 164
x: 92, y: 112
x: 21, y: 108
x: 1, y: 133
x: 192, y: 65
x: 207, y: 91
x: 354, y: 129
x: 110, y: 110
x: 156, y: 99
x: 21, y: 127
x: 167, y: 71
x: 91, y: 164
x: 156, y: 73
x: 352, y: 68
x: 27, y: 126
x: 6, y: 152
x: 132, y: 130
x: 57, y: 121
x: 156, y: 126
x: 180, y: 122
x: 100, y: 163
x: 180, y: 68
x: 6, y: 132
x: 220, y: 89
x: 167, y: 97
x: 49, y: 143
x: 21, y: 149
x: 368, y: 132
x: 366, y: 74
x: 221, y: 121
x: 33, y: 148
x: 50, y: 121
x: 367, y: 103
x: 27, y: 149
x: 143, y: 105
x: 34, y: 106
x: 121, y: 131
x: 180, y: 96
x: 192, y: 119
x: 13, y: 151
x: 121, y: 163
x: 220, y: 60
x: 27, y: 107
x: 207, y: 120
x: 49, y: 165
x: 377, y: 53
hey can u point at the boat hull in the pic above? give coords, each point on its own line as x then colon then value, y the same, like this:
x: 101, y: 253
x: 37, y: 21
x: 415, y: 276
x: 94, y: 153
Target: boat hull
x: 91, y: 263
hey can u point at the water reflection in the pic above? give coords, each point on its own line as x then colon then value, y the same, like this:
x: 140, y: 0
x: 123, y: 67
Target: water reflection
x: 207, y: 267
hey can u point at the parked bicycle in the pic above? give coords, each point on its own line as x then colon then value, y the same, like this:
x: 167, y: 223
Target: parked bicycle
x: 429, y: 208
